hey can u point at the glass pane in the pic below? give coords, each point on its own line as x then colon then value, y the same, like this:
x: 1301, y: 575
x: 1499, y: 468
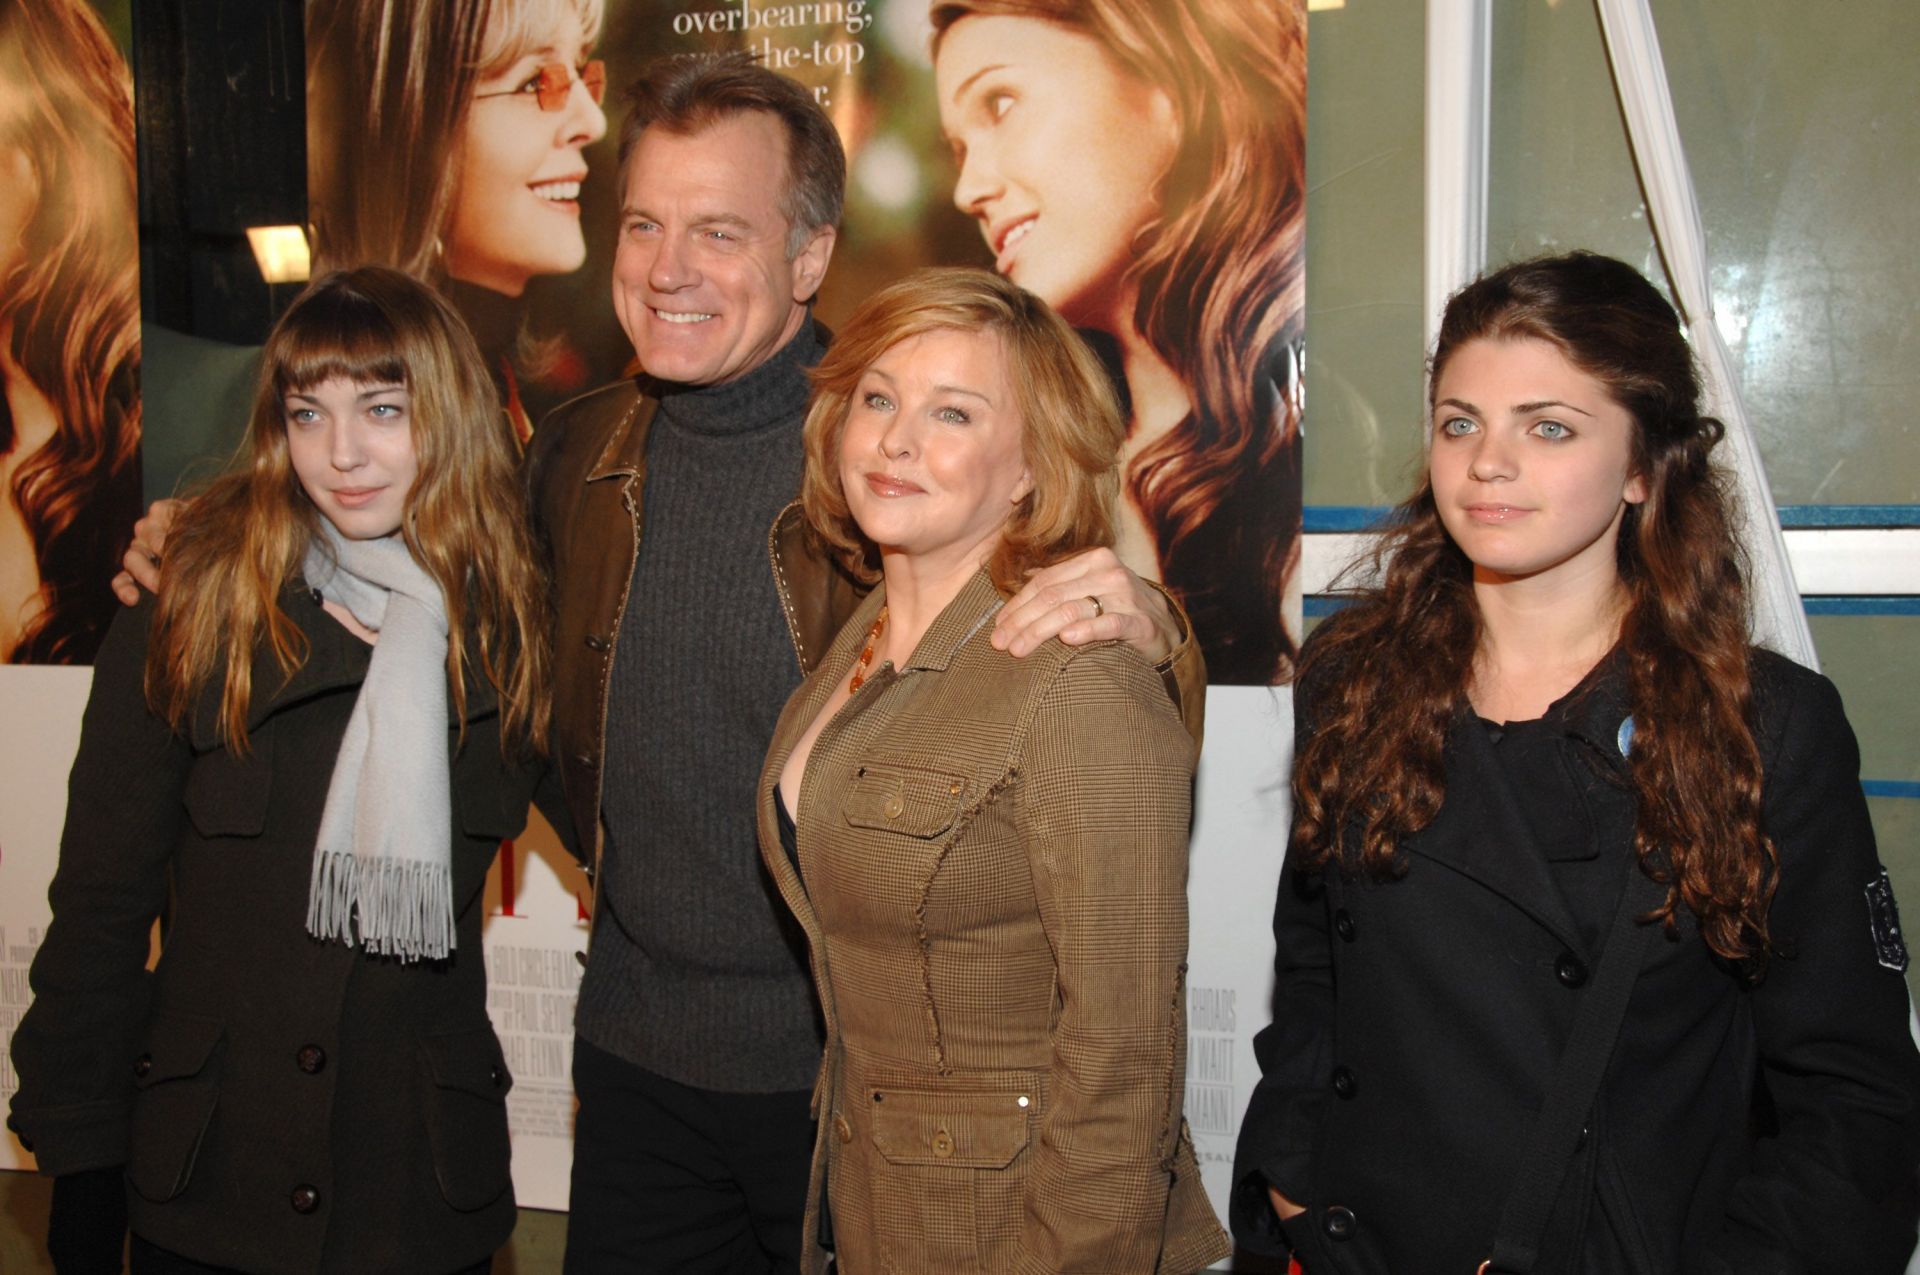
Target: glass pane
x: 1364, y: 250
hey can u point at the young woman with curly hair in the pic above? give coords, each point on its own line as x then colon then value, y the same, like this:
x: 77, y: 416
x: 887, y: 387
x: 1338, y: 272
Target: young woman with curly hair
x: 1586, y: 960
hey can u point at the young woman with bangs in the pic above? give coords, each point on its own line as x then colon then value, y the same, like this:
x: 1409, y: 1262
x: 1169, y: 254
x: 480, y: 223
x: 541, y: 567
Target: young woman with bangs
x: 302, y: 756
x: 1585, y: 957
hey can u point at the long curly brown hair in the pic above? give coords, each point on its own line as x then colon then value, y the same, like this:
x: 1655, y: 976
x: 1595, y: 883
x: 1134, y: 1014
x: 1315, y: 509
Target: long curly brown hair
x: 1408, y: 643
x: 72, y: 305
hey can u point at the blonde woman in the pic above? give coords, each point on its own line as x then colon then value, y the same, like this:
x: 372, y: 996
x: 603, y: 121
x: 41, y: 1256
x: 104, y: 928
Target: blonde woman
x: 988, y: 854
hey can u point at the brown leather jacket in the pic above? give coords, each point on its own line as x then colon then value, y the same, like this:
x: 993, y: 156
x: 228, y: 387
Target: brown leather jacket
x: 585, y: 475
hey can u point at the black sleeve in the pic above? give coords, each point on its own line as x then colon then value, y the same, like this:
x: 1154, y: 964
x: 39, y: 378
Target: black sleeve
x: 75, y: 1046
x: 1836, y: 1184
x: 1295, y: 1053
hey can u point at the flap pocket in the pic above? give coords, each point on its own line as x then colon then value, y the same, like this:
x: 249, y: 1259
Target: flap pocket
x: 178, y: 1046
x: 470, y: 1061
x: 914, y: 800
x: 467, y: 1116
x: 970, y: 1130
x: 175, y: 1091
x: 227, y: 796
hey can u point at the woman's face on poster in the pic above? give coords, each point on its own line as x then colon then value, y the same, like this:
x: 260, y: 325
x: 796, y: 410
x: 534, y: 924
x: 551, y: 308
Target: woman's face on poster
x: 516, y: 211
x: 1059, y: 154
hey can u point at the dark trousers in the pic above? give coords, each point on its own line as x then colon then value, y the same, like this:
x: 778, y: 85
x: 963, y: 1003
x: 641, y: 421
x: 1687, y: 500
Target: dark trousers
x: 671, y: 1178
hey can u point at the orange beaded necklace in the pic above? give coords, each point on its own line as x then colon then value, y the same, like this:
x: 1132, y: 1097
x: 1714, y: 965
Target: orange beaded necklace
x: 866, y: 653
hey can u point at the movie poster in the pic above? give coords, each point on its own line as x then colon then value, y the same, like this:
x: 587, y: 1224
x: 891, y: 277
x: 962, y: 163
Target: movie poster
x: 1137, y: 163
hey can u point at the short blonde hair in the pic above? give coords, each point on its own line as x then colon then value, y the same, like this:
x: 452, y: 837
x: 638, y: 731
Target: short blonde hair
x: 1071, y: 428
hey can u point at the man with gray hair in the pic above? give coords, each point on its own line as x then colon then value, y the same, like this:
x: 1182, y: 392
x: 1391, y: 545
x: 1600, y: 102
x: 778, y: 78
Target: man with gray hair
x: 697, y: 1038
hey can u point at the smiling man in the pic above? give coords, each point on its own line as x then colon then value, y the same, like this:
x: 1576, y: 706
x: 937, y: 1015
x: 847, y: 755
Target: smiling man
x: 682, y: 625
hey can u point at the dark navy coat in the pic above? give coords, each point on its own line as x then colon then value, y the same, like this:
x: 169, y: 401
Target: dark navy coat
x: 281, y: 1104
x: 1739, y: 1130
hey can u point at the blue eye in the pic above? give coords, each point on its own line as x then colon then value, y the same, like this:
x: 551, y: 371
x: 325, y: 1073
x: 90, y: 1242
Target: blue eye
x: 1457, y: 427
x: 1553, y: 431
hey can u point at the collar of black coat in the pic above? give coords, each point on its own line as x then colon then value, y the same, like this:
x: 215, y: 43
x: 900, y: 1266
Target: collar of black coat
x: 336, y: 659
x: 1482, y: 831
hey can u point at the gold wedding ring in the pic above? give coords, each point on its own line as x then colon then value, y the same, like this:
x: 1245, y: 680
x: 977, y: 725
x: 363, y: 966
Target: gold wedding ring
x: 1098, y: 610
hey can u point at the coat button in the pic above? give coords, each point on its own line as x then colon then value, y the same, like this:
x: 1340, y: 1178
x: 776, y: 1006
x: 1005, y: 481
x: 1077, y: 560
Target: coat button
x: 583, y: 760
x: 942, y: 1144
x: 1570, y: 970
x: 597, y: 643
x: 1340, y: 1223
x: 1343, y: 925
x: 310, y: 1059
x: 305, y: 1199
x: 842, y: 1130
x: 498, y: 1076
x: 893, y: 807
x: 142, y: 1065
x: 1343, y: 1082
x: 315, y: 595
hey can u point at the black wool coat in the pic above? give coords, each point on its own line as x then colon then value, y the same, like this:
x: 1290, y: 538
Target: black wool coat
x: 281, y: 1104
x: 1739, y: 1130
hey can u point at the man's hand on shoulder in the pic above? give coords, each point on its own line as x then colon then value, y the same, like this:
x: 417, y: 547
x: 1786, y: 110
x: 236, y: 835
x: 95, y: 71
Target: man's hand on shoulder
x: 141, y: 562
x: 1091, y: 597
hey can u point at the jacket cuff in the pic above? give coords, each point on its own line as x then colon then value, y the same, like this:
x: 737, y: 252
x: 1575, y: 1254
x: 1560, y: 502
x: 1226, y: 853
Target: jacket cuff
x: 75, y: 1139
x: 1184, y: 670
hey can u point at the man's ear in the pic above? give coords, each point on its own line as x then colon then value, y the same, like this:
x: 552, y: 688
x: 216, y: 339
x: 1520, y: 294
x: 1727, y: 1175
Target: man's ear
x: 810, y: 263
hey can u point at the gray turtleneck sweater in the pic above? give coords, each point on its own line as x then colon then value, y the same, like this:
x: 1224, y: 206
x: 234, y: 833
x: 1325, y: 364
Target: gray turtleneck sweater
x: 697, y: 972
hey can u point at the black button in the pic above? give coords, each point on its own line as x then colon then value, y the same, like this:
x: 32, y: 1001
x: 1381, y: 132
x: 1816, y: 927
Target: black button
x: 305, y: 1199
x: 597, y: 643
x: 1570, y: 970
x: 315, y: 595
x: 583, y: 760
x: 1340, y: 1223
x: 1343, y: 1082
x: 142, y: 1065
x: 1580, y: 1142
x: 498, y: 1076
x: 311, y: 1059
x: 1343, y: 925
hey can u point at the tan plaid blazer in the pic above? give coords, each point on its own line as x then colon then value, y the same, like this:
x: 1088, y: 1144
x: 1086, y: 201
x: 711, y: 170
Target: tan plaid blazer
x: 995, y: 862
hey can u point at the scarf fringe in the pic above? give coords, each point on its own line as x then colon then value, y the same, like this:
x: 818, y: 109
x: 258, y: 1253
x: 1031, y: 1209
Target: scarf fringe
x: 389, y: 907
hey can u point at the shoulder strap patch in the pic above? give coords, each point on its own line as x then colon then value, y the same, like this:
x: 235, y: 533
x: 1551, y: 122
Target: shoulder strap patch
x: 1883, y: 919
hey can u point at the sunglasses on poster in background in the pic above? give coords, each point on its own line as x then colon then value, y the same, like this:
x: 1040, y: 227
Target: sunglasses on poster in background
x: 552, y: 83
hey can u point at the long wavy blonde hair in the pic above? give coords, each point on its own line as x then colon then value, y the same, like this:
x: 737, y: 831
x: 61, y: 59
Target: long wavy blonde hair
x: 241, y: 542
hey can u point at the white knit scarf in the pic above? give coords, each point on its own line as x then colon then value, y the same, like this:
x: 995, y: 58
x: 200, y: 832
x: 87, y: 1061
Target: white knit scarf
x: 382, y: 868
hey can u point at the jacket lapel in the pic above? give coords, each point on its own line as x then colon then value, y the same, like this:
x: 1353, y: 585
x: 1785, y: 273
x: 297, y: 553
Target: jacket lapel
x: 1482, y: 833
